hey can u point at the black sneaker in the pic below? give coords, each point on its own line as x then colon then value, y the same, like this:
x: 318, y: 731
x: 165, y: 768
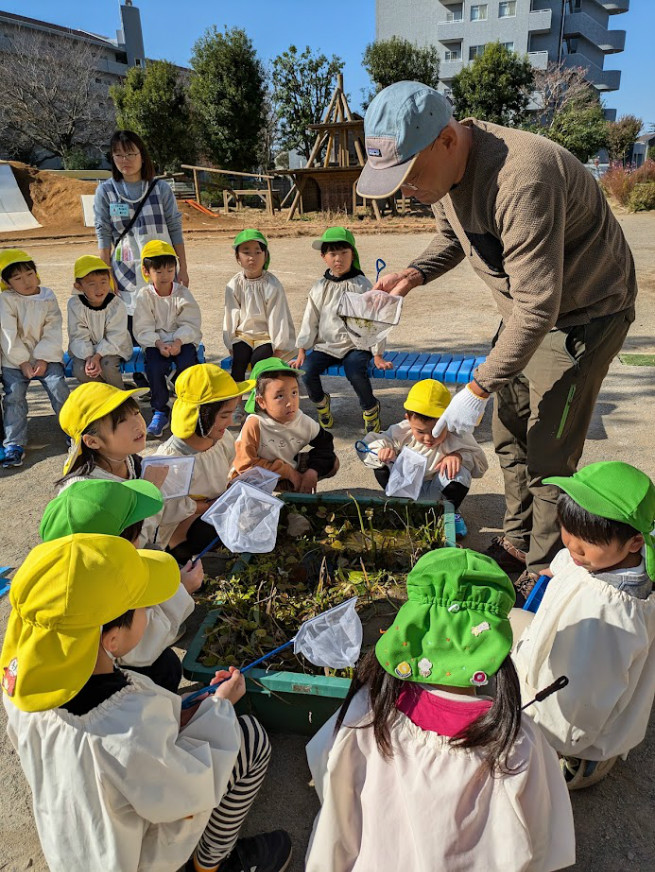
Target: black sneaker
x: 268, y: 852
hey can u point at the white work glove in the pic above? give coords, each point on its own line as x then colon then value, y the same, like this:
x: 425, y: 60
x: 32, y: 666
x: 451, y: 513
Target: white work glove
x: 463, y: 414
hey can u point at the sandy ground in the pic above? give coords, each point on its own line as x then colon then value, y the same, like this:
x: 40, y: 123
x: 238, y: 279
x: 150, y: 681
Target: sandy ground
x: 614, y: 819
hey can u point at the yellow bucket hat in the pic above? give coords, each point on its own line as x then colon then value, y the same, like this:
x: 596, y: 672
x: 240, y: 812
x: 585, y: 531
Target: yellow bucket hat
x: 198, y: 385
x: 61, y: 596
x: 92, y: 263
x: 156, y: 248
x: 9, y: 257
x: 428, y: 397
x: 86, y: 404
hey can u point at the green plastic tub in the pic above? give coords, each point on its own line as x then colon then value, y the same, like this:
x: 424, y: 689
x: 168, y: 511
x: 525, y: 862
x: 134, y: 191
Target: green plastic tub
x: 293, y: 702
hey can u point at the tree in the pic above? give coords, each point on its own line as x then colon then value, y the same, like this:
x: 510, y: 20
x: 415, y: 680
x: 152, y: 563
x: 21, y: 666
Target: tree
x: 228, y: 97
x: 621, y: 135
x: 569, y: 110
x: 398, y: 60
x: 302, y: 87
x: 496, y: 87
x: 153, y: 103
x: 50, y: 101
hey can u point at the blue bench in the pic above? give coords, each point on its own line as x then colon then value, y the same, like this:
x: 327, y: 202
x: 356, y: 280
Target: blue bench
x: 4, y: 579
x: 413, y: 366
x: 136, y: 363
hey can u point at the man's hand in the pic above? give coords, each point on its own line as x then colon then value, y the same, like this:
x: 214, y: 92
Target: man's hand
x: 300, y: 359
x: 163, y: 348
x: 175, y: 347
x: 27, y: 369
x: 450, y: 464
x: 309, y: 480
x: 381, y: 363
x: 463, y: 413
x: 39, y: 368
x: 192, y: 576
x: 92, y: 366
x: 387, y: 455
x: 399, y: 284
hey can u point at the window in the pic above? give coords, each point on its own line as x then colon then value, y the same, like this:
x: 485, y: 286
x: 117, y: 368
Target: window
x: 453, y: 52
x: 507, y: 9
x: 479, y: 12
x: 572, y: 45
x: 455, y: 14
x: 508, y: 45
x: 475, y: 51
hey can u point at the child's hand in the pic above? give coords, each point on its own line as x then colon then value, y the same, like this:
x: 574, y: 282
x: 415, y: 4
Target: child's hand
x: 202, y: 505
x: 300, y: 359
x: 27, y: 369
x: 163, y: 348
x: 192, y: 576
x: 309, y: 480
x: 387, y: 455
x: 233, y: 688
x: 92, y: 366
x: 156, y: 474
x: 381, y: 363
x: 450, y: 464
x: 175, y: 347
x: 296, y: 479
x: 39, y: 368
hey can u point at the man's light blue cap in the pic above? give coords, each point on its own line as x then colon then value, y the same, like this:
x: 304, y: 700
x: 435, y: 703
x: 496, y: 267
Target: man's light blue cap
x: 401, y: 121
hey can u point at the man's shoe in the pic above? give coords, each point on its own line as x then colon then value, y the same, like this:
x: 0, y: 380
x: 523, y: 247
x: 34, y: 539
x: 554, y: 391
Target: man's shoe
x: 324, y: 411
x: 507, y: 556
x: 268, y: 852
x: 523, y: 586
x: 14, y: 455
x: 372, y: 423
x: 158, y: 424
x: 460, y: 527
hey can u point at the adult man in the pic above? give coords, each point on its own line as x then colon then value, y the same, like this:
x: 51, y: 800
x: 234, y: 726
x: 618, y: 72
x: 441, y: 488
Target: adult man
x: 536, y: 228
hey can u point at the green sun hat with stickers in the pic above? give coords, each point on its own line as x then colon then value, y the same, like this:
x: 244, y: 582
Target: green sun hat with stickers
x: 338, y: 234
x: 250, y: 234
x: 268, y: 365
x: 616, y: 491
x: 454, y: 628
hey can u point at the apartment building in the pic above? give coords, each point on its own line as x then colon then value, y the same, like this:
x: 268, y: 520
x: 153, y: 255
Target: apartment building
x: 573, y: 31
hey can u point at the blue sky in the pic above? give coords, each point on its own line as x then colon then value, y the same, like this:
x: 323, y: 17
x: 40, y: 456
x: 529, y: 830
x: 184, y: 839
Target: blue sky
x: 342, y: 27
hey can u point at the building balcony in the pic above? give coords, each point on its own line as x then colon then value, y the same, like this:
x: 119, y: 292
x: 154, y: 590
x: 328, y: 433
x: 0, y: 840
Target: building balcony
x: 614, y: 7
x: 602, y: 80
x: 538, y: 59
x: 451, y: 31
x: 540, y: 21
x: 449, y: 69
x: 579, y: 24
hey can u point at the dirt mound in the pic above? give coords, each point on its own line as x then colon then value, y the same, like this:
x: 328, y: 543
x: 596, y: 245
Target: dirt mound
x: 53, y: 199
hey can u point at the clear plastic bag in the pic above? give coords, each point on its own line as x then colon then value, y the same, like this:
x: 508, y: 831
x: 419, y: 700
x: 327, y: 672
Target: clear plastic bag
x: 333, y: 638
x: 369, y: 317
x: 245, y: 518
x: 263, y: 479
x: 407, y: 475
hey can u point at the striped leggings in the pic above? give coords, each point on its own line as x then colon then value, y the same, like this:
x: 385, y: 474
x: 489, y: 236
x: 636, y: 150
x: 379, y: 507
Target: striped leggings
x: 220, y: 834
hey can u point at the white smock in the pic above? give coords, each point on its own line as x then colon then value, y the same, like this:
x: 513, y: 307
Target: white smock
x: 30, y: 328
x: 98, y: 331
x: 434, y: 807
x: 176, y: 316
x: 399, y: 436
x: 122, y: 788
x: 601, y: 638
x: 257, y: 312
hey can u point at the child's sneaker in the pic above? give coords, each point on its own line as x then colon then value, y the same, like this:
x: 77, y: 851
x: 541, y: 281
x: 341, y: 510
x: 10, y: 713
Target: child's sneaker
x: 14, y: 455
x: 325, y: 418
x: 372, y: 423
x: 460, y: 527
x: 268, y: 852
x: 158, y: 424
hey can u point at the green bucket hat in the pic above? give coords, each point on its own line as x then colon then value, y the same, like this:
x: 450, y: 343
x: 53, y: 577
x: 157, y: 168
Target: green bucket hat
x: 338, y: 234
x: 250, y: 235
x: 270, y: 364
x: 616, y: 491
x: 454, y: 628
x: 97, y: 506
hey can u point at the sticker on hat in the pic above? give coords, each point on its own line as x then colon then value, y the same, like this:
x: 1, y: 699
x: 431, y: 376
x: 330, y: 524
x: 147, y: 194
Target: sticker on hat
x: 479, y: 679
x: 424, y: 667
x: 403, y: 670
x: 9, y: 677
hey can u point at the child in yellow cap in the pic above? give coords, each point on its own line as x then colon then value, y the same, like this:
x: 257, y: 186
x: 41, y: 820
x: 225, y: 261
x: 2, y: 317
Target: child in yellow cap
x: 98, y: 338
x: 430, y: 764
x: 452, y: 460
x: 206, y: 400
x: 31, y: 345
x: 146, y: 785
x: 166, y: 325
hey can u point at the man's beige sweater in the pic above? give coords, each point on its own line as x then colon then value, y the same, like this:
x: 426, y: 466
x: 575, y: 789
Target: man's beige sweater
x: 537, y: 229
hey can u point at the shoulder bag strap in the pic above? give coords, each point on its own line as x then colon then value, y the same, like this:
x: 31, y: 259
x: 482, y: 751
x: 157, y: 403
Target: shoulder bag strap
x: 132, y: 220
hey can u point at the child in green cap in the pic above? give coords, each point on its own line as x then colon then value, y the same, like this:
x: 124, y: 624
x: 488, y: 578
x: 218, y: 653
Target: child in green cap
x: 417, y: 771
x: 276, y: 432
x: 257, y: 322
x: 596, y: 622
x: 324, y: 331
